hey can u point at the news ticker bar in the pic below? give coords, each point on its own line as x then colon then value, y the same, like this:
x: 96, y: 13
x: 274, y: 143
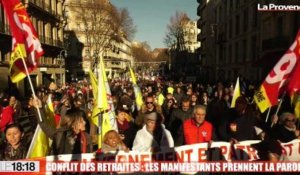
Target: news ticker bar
x: 125, y: 167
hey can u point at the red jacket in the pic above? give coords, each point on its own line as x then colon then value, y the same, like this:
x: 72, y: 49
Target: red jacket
x: 6, y: 117
x: 196, y: 134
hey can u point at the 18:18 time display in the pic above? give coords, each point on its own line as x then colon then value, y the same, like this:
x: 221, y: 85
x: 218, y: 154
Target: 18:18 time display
x: 25, y: 166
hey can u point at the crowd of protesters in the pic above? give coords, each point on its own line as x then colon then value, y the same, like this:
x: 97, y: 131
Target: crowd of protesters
x: 173, y: 114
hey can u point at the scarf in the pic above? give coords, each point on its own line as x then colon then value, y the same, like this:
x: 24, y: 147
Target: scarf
x: 123, y: 127
x: 83, y: 141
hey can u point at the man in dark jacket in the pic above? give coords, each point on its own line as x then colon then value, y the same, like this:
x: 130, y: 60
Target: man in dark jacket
x: 177, y: 118
x: 241, y: 126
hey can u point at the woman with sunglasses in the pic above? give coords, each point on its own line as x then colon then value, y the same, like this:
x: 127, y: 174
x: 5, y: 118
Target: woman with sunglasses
x: 285, y: 130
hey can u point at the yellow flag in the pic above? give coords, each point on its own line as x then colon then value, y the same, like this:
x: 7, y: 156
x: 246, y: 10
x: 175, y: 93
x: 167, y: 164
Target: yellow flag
x: 102, y: 103
x: 236, y: 93
x: 102, y: 98
x: 137, y: 90
x: 108, y: 119
x: 96, y: 110
x: 40, y: 145
x: 50, y: 111
x: 261, y: 99
x: 295, y: 99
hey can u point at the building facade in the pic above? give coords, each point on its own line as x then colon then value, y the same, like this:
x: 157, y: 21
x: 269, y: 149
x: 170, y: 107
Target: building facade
x: 190, y: 36
x: 83, y: 51
x: 239, y: 40
x: 47, y: 19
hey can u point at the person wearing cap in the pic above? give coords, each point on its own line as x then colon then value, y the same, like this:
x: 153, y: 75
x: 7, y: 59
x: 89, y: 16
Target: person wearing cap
x: 153, y: 136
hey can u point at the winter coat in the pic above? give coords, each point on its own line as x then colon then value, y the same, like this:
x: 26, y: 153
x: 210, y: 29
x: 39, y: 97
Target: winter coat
x: 145, y: 141
x: 197, y: 134
x: 7, y: 152
x: 6, y: 117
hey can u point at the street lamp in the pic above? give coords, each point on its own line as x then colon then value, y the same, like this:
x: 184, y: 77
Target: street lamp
x: 61, y: 63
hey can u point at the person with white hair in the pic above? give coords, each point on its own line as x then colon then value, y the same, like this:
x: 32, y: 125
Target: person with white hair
x: 285, y: 130
x: 153, y: 136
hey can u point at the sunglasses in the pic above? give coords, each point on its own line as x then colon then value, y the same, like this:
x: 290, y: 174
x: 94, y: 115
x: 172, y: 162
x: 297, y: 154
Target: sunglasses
x: 149, y: 102
x: 292, y: 120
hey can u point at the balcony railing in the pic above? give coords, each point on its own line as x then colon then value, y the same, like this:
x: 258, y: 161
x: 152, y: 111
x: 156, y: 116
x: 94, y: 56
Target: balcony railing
x: 44, y: 6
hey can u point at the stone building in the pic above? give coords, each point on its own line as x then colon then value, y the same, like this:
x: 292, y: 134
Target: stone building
x: 239, y: 40
x: 47, y: 19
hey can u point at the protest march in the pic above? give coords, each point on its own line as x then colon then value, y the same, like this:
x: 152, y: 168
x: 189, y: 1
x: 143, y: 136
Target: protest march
x: 132, y: 124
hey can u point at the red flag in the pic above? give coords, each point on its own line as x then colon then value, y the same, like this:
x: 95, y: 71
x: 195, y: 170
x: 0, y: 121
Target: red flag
x: 294, y: 82
x: 294, y: 89
x: 275, y: 82
x: 25, y: 44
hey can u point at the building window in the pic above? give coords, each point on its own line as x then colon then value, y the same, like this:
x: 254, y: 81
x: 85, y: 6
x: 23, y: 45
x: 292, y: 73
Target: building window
x: 229, y: 53
x: 236, y: 52
x: 230, y: 29
x: 237, y: 4
x: 254, y: 17
x: 280, y: 26
x: 245, y: 21
x: 253, y: 48
x: 237, y: 25
x: 231, y: 3
x: 244, y: 50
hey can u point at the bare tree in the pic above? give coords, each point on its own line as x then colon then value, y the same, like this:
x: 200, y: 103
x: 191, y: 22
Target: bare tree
x: 174, y: 38
x: 163, y: 55
x: 141, y: 52
x: 102, y: 24
x: 127, y: 24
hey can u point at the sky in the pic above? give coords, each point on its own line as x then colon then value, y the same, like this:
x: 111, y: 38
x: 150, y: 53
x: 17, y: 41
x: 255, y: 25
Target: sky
x: 152, y: 17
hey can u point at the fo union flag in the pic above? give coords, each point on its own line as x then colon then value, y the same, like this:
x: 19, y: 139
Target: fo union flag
x: 275, y: 82
x: 26, y: 48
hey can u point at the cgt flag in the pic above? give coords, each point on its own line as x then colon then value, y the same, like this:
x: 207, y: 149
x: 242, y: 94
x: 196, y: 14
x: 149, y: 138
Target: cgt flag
x: 294, y: 89
x: 275, y: 82
x: 26, y: 48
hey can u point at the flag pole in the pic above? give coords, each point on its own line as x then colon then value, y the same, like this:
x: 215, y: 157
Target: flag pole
x: 100, y: 129
x: 268, y: 114
x: 32, y: 89
x: 279, y: 105
x: 38, y: 111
